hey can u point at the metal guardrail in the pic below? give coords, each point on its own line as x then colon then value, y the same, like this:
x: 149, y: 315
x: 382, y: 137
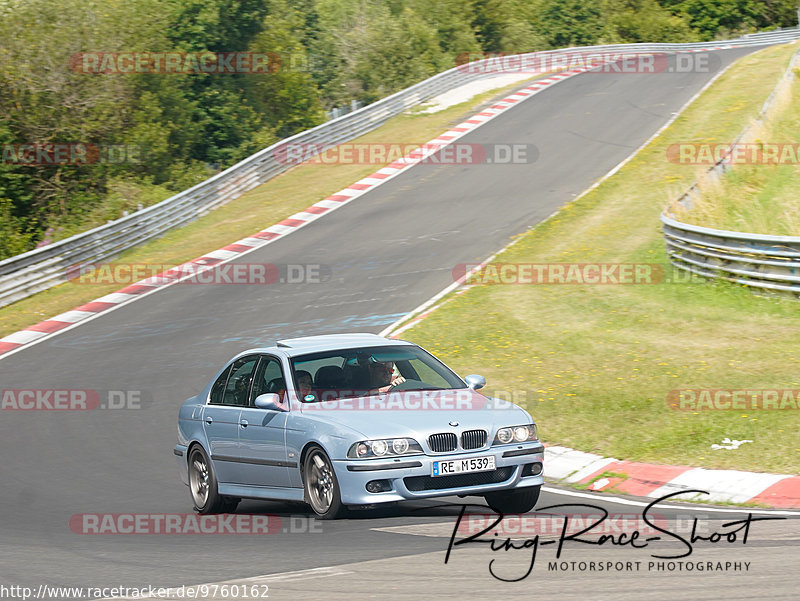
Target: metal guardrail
x: 758, y: 260
x: 762, y: 261
x: 42, y: 268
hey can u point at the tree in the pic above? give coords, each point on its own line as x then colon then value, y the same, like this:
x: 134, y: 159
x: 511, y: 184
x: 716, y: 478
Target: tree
x: 631, y: 21
x: 568, y: 23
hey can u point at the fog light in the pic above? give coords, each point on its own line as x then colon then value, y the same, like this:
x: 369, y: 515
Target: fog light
x: 378, y: 486
x: 532, y: 469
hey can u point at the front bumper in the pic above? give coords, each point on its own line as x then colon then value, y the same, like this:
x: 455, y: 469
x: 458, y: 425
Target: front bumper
x: 411, y: 477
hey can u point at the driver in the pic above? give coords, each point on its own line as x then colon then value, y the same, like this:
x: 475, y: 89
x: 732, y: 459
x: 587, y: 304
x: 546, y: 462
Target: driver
x: 383, y: 377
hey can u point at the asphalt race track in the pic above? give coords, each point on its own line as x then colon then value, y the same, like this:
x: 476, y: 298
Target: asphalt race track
x: 388, y: 251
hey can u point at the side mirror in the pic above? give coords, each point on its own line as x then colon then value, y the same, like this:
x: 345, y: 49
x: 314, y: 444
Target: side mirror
x: 269, y: 401
x: 475, y: 381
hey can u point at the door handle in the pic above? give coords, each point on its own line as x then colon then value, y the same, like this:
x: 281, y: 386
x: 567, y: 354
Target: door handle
x: 243, y: 423
x: 209, y: 421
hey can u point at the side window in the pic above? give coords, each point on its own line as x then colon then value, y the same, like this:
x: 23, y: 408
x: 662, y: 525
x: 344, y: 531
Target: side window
x: 237, y: 389
x: 269, y: 377
x: 218, y: 389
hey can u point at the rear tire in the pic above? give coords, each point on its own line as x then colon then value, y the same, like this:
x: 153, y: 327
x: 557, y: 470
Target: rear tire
x: 513, y: 501
x: 203, y: 484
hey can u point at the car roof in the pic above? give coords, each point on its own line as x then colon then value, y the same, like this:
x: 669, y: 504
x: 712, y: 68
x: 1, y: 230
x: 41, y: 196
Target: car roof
x: 294, y: 347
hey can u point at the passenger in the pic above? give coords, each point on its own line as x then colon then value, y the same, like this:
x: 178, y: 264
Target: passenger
x: 305, y: 383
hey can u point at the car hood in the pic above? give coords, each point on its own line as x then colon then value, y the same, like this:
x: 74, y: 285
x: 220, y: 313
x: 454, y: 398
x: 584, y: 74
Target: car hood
x: 418, y: 413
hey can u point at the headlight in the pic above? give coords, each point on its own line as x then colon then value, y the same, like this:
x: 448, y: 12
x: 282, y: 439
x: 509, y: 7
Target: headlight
x: 504, y: 435
x: 524, y: 433
x: 521, y: 434
x: 387, y: 447
x: 400, y: 446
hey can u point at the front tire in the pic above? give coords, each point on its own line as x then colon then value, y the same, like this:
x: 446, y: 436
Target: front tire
x: 513, y: 501
x: 321, y: 486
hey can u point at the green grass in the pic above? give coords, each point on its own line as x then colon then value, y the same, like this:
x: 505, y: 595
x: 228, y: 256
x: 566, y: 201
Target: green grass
x: 757, y: 198
x: 609, y: 475
x: 257, y: 209
x: 594, y: 363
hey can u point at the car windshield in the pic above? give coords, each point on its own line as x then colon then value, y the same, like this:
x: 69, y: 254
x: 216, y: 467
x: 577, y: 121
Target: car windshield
x: 355, y: 372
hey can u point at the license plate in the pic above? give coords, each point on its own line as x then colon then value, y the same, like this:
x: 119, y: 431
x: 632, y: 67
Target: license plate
x: 463, y: 466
